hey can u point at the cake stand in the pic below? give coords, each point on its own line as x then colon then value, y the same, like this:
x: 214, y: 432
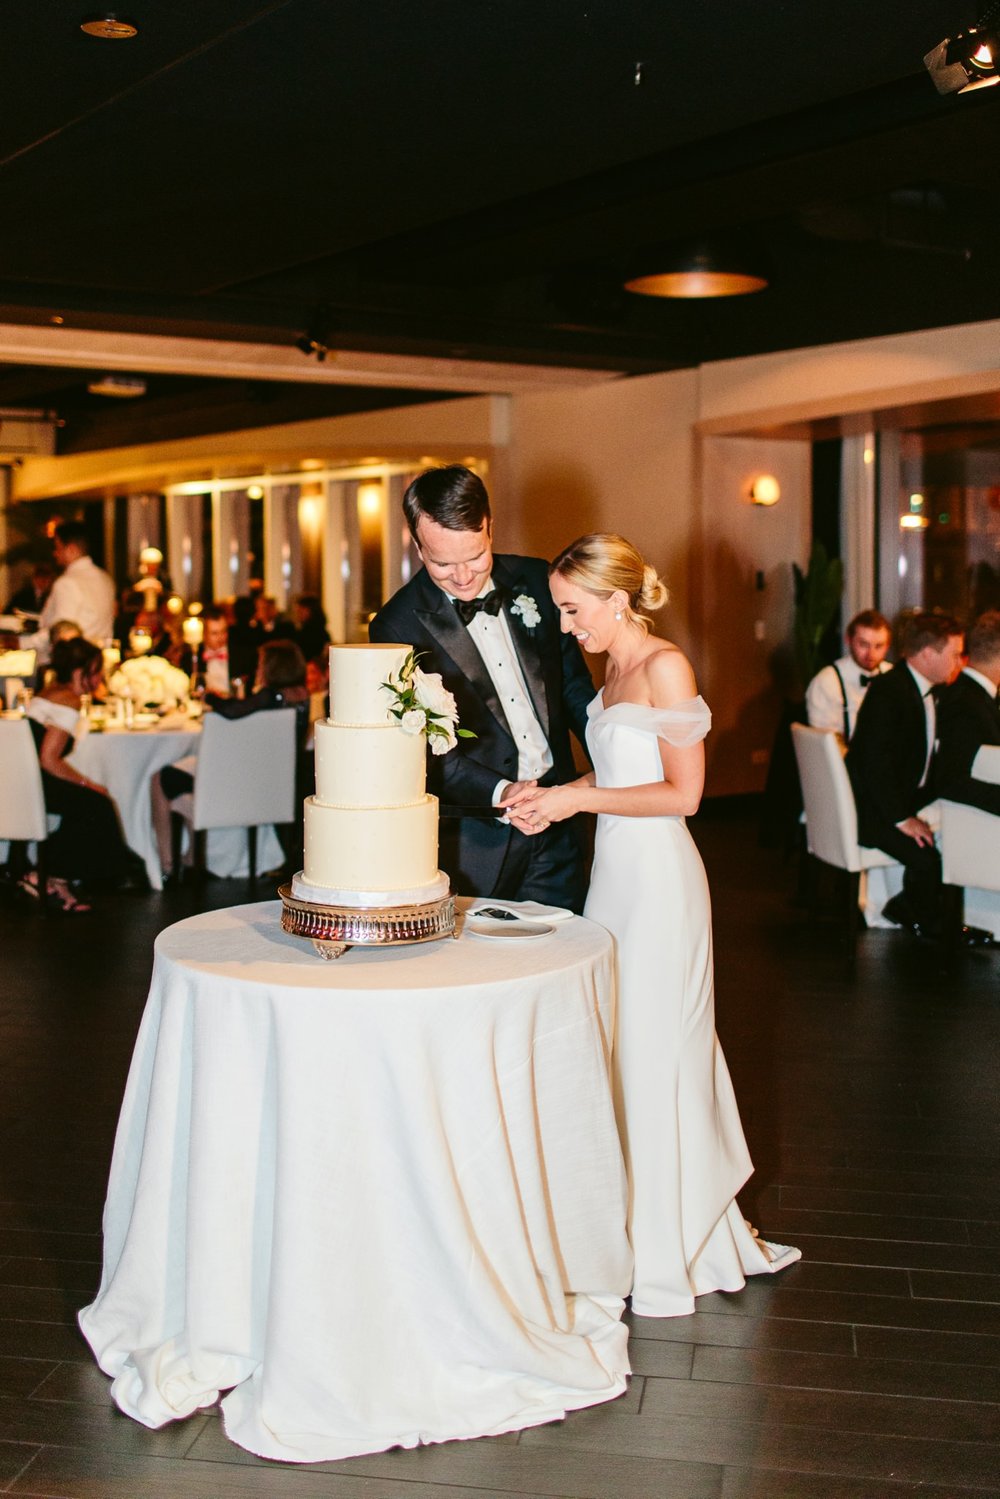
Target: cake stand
x: 333, y: 929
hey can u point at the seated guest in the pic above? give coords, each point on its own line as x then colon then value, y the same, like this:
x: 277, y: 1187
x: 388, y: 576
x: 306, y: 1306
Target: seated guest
x: 311, y: 633
x: 969, y: 717
x: 835, y: 694
x: 88, y: 844
x: 889, y: 761
x: 30, y: 597
x: 126, y: 613
x: 157, y: 622
x: 318, y: 687
x: 222, y: 658
x: 60, y: 629
x: 243, y: 639
x: 210, y: 660
x: 267, y: 623
x: 281, y: 683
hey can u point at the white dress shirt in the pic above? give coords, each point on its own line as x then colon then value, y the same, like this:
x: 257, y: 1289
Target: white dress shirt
x: 85, y: 594
x: 492, y: 639
x: 825, y: 700
x: 988, y: 687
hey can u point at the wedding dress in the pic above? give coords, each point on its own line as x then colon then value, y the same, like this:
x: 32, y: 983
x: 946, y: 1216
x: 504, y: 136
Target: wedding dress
x: 680, y: 1127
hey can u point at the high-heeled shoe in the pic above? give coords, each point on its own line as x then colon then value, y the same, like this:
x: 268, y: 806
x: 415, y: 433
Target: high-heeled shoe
x: 58, y: 896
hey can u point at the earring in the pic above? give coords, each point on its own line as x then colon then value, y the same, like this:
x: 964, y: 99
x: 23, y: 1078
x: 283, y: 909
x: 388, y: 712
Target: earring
x: 618, y: 614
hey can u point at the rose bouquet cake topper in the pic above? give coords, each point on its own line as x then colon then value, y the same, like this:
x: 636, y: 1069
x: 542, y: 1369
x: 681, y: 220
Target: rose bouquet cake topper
x: 422, y: 704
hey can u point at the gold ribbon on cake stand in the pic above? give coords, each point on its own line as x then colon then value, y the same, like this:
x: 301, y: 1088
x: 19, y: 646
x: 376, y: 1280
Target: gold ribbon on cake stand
x: 333, y: 929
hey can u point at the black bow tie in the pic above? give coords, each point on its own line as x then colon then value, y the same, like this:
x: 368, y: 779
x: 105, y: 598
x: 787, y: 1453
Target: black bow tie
x: 864, y: 680
x: 468, y: 608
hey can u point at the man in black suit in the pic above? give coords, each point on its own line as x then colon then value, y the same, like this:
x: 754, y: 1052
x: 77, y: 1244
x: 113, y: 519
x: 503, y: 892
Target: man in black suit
x: 969, y: 717
x: 488, y: 625
x: 889, y: 762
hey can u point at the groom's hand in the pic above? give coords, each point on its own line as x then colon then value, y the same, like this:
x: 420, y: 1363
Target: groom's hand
x: 514, y: 792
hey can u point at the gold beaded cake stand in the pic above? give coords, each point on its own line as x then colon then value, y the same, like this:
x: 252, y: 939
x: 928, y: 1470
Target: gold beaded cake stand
x: 333, y: 929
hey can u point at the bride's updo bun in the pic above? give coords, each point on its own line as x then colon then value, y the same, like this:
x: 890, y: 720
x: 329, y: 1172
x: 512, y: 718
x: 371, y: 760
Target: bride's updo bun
x: 654, y: 593
x: 604, y: 564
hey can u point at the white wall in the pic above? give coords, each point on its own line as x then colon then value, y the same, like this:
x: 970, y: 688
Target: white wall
x: 618, y: 457
x: 625, y: 457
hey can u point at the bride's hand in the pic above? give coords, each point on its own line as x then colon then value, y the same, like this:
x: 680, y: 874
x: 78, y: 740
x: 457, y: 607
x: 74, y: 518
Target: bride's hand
x: 547, y: 805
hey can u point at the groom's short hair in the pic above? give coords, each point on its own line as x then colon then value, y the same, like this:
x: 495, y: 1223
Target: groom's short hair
x: 454, y: 497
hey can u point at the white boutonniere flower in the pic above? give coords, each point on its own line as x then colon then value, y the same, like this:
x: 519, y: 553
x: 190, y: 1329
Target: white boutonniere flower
x: 525, y: 606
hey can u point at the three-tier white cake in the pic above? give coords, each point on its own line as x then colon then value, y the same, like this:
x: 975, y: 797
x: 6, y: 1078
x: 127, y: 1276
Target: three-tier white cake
x: 371, y: 829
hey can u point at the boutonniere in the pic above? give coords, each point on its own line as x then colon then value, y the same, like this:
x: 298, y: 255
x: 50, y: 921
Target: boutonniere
x: 525, y: 606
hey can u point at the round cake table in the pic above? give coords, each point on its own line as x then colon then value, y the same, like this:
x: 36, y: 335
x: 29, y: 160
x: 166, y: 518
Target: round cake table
x: 381, y: 1201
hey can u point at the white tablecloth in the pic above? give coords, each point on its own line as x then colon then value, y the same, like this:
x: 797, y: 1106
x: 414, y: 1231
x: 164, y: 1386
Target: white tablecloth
x: 126, y: 760
x: 383, y: 1196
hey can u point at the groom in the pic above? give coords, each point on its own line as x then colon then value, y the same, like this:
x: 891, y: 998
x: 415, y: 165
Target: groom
x: 488, y: 625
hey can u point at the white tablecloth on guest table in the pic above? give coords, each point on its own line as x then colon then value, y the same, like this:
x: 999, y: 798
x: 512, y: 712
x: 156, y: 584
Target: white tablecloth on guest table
x: 126, y: 760
x: 383, y: 1196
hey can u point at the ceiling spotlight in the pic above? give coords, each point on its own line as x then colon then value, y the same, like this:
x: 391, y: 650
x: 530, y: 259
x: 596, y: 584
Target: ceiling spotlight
x: 109, y: 26
x: 699, y: 270
x: 310, y: 345
x: 316, y: 338
x: 124, y: 387
x: 969, y: 60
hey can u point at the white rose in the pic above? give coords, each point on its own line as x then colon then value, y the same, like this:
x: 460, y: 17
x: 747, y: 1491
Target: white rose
x: 442, y: 743
x: 433, y: 695
x: 413, y: 721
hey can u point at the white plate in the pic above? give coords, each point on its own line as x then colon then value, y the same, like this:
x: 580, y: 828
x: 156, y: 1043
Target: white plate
x: 485, y: 926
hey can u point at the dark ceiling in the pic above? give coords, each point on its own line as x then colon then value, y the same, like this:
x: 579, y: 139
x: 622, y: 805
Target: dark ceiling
x: 475, y: 178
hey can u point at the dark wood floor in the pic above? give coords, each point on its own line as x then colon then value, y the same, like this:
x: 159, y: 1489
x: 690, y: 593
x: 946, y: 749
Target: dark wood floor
x: 871, y: 1369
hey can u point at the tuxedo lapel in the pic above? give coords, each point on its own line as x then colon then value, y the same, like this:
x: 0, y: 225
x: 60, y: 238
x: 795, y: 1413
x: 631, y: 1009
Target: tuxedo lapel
x: 451, y: 637
x: 527, y: 644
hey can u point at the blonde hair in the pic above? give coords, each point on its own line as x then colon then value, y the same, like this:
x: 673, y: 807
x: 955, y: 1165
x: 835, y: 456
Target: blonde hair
x: 604, y: 564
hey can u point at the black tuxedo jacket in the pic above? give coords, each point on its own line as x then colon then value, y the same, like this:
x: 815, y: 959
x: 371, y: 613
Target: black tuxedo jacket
x: 968, y: 718
x: 559, y: 685
x: 887, y: 753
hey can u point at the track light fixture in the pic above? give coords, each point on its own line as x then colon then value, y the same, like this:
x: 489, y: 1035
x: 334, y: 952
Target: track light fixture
x: 316, y: 339
x: 969, y: 60
x: 310, y: 345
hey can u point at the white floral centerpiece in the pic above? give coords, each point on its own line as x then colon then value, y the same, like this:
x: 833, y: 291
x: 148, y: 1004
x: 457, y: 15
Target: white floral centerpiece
x: 422, y: 704
x: 150, y: 680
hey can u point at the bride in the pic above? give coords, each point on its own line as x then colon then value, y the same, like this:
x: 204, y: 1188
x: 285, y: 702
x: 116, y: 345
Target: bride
x: 680, y: 1128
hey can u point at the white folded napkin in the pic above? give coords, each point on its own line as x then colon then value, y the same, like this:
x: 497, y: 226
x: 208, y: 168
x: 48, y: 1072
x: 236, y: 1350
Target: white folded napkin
x: 524, y: 910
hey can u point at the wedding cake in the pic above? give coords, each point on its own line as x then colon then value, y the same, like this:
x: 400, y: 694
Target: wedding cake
x: 371, y: 829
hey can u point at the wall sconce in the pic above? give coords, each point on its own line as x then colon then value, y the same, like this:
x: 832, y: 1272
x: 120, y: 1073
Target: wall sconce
x: 764, y: 490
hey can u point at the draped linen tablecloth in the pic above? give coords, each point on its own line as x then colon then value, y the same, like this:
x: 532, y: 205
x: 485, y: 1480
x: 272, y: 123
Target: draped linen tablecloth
x: 126, y: 760
x: 381, y: 1197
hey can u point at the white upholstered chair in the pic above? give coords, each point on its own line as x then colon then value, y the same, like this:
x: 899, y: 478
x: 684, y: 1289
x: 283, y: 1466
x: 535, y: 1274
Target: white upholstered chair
x: 245, y: 778
x: 970, y: 844
x: 831, y: 817
x: 23, y: 819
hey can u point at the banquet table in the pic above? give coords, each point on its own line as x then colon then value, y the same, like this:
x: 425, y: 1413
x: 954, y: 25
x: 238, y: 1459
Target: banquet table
x: 380, y: 1200
x: 125, y: 760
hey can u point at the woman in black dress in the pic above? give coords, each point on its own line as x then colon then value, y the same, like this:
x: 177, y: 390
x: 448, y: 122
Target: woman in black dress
x: 88, y: 846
